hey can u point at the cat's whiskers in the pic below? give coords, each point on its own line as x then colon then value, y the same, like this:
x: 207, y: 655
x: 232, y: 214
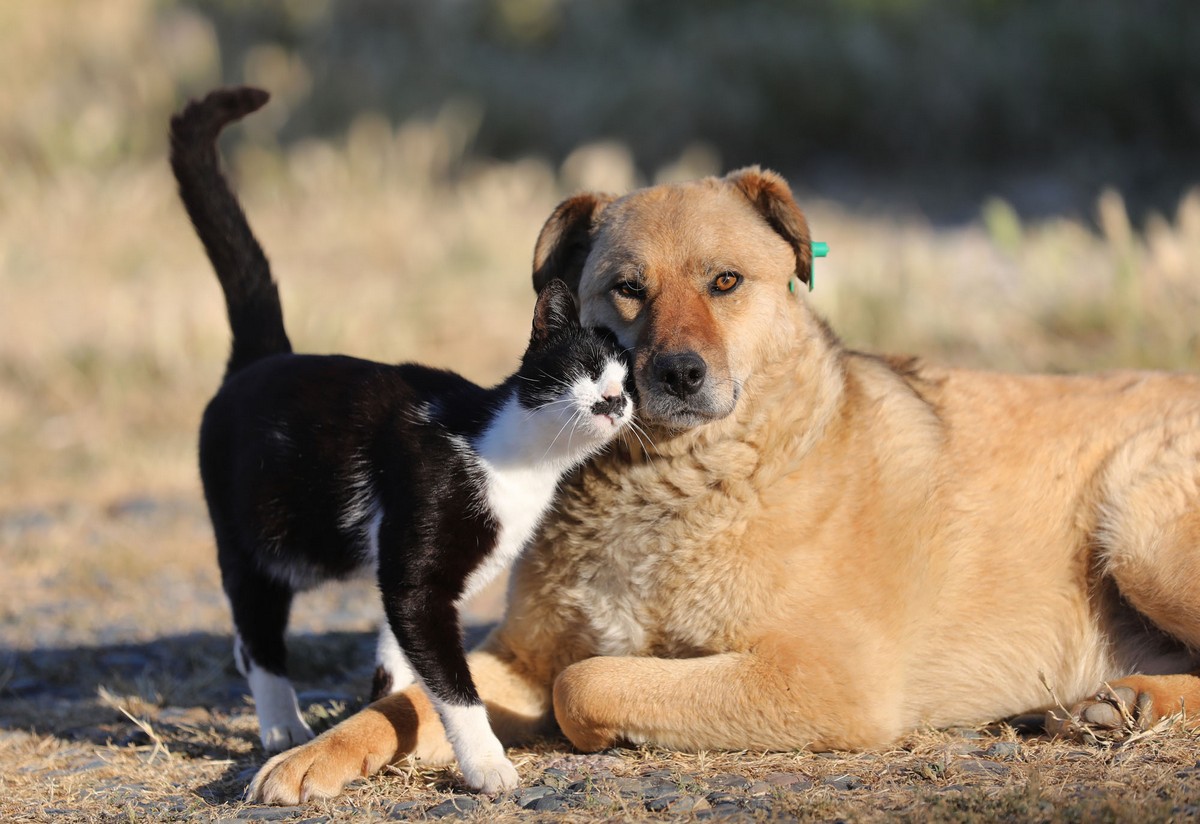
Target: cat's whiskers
x: 547, y: 405
x: 568, y: 422
x: 642, y: 436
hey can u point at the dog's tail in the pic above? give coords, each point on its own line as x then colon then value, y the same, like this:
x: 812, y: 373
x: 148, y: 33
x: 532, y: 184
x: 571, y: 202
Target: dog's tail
x: 255, y: 315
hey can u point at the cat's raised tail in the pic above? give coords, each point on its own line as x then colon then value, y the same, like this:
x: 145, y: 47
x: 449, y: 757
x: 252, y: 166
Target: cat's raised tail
x: 255, y: 315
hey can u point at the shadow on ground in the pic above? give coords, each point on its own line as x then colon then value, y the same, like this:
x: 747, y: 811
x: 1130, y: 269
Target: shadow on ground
x: 68, y: 692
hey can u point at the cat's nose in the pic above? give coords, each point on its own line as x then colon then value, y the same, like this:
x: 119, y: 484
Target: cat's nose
x: 611, y: 405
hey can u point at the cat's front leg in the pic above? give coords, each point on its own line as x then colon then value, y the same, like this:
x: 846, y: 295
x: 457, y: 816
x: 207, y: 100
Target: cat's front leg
x: 426, y: 624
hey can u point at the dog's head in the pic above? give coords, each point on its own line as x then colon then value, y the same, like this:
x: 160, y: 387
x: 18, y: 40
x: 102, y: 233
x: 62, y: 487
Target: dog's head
x: 696, y: 279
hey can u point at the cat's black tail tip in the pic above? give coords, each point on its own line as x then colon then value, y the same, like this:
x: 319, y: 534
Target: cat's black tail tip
x: 202, y: 120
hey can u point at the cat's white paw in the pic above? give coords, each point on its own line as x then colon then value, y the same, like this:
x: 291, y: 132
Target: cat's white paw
x: 490, y: 775
x: 285, y: 736
x: 480, y: 754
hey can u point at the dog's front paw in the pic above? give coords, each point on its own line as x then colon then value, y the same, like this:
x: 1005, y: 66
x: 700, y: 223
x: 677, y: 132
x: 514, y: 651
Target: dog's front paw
x: 319, y: 769
x: 491, y: 774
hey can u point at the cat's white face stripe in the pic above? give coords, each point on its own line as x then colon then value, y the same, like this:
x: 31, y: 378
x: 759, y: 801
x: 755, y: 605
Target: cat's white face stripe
x: 587, y: 392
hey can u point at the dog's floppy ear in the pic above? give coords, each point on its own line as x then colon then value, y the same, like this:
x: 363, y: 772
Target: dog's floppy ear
x: 565, y: 240
x: 770, y: 195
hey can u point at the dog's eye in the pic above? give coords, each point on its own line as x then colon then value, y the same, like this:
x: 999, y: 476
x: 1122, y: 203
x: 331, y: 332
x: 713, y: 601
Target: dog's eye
x: 726, y: 282
x: 630, y: 289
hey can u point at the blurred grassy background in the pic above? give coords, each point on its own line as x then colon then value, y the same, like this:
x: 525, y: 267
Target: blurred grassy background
x: 1003, y: 184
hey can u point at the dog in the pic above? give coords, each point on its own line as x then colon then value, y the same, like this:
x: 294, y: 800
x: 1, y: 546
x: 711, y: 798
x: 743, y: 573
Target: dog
x: 820, y: 548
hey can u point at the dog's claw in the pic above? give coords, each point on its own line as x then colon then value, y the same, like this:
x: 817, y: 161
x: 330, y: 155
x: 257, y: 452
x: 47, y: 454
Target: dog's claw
x: 1112, y: 711
x: 1103, y: 714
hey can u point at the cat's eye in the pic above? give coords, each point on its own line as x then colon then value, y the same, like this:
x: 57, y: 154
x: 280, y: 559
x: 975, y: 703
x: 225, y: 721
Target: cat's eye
x: 726, y: 282
x: 630, y: 289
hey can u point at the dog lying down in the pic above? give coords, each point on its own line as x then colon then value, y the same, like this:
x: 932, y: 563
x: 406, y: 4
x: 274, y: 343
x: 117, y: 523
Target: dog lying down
x: 823, y: 548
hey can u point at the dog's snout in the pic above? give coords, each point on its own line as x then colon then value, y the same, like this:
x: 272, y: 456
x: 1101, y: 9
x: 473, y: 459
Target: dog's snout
x: 681, y: 374
x: 612, y: 405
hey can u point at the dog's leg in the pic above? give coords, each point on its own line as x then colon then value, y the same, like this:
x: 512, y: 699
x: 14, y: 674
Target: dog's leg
x: 512, y: 684
x: 738, y: 701
x: 1149, y: 542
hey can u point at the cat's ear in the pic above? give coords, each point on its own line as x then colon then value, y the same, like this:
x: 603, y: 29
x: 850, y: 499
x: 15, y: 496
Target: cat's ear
x: 564, y: 242
x: 555, y: 312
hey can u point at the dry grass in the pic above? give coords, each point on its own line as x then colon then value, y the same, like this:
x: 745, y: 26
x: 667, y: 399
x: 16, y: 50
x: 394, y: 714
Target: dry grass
x: 391, y: 243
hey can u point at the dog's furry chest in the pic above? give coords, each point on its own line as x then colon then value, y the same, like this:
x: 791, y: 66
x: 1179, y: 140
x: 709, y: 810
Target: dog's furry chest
x: 649, y: 558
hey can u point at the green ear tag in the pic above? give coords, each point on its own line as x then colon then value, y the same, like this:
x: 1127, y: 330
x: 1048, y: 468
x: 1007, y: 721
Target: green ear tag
x: 818, y: 250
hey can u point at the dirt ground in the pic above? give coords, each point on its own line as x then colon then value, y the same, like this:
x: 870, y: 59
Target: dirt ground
x: 113, y: 708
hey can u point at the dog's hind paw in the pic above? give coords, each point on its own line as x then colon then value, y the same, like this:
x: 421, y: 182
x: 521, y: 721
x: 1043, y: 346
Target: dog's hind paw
x: 1124, y: 708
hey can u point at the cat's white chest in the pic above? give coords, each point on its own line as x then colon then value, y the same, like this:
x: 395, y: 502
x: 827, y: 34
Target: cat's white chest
x: 517, y: 498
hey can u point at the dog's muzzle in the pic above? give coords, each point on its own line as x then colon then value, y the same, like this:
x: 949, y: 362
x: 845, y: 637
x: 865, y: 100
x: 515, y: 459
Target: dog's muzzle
x: 680, y: 391
x: 681, y: 375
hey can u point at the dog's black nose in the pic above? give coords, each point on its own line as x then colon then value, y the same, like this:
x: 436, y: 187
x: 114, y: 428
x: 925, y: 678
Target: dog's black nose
x: 681, y: 374
x: 613, y: 406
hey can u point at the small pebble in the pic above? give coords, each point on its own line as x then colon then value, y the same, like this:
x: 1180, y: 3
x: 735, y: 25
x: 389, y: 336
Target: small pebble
x: 732, y: 782
x: 527, y: 795
x: 718, y: 798
x: 271, y: 813
x: 761, y: 805
x: 723, y: 810
x: 403, y: 810
x: 459, y: 805
x: 659, y: 774
x: 677, y: 804
x: 548, y: 803
x: 844, y: 782
x: 630, y: 786
x: 556, y: 776
x: 662, y: 803
x: 789, y: 781
x: 654, y: 789
x: 975, y: 766
x: 1003, y: 749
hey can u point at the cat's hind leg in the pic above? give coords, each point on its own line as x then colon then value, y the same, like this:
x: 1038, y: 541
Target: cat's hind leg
x: 260, y: 613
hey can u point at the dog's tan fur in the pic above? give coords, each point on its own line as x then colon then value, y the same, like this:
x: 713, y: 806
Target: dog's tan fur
x: 827, y: 548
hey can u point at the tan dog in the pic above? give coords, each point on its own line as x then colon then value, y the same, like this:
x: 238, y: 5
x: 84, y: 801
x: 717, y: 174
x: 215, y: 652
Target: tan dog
x: 822, y: 549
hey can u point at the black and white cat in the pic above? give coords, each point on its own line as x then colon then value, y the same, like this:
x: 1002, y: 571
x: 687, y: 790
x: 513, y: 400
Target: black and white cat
x: 319, y: 467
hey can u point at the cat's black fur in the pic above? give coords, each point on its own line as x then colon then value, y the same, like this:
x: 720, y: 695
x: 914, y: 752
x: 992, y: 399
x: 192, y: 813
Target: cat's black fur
x: 315, y: 467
